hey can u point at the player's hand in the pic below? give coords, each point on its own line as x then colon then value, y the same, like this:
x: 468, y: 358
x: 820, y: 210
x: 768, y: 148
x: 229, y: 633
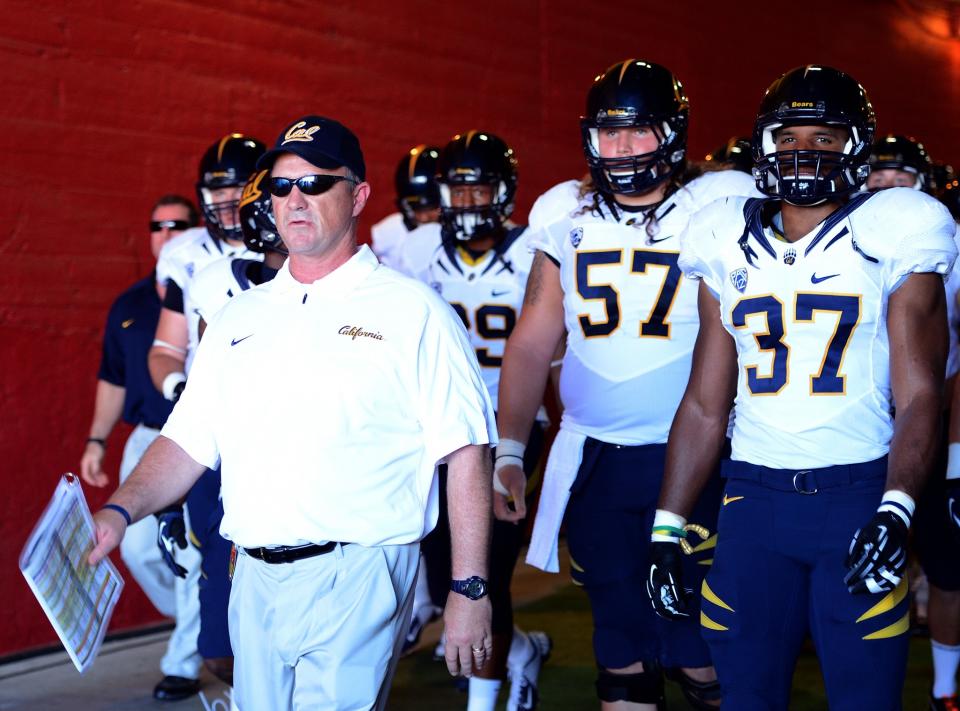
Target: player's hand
x: 91, y: 463
x: 467, y: 630
x: 665, y: 581
x: 878, y: 555
x: 172, y: 534
x: 513, y: 480
x: 108, y: 529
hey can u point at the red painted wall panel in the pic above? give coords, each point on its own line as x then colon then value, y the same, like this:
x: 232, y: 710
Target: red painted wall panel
x: 108, y: 105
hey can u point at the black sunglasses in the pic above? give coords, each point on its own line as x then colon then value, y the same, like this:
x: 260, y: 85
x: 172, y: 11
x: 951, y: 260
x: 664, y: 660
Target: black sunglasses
x: 157, y: 225
x: 308, y: 184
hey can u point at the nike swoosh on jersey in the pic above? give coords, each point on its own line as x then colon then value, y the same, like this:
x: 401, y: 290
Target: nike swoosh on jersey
x: 730, y: 499
x: 235, y: 341
x: 814, y: 279
x: 496, y: 293
x: 651, y: 240
x: 126, y: 324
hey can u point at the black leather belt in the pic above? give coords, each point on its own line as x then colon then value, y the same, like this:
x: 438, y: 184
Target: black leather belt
x: 288, y: 554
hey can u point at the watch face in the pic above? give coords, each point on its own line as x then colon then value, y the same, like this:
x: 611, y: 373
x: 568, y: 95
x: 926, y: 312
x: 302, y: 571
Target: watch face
x: 475, y: 588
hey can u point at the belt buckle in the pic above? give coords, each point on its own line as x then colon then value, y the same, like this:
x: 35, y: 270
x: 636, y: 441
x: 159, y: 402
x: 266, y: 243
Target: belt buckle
x: 798, y: 488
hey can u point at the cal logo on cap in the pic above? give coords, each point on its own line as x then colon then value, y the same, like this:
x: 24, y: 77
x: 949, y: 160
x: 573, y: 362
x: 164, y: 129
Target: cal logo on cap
x: 801, y: 104
x: 297, y: 132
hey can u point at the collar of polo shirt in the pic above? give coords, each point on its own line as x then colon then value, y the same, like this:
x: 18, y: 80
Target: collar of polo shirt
x: 337, y: 282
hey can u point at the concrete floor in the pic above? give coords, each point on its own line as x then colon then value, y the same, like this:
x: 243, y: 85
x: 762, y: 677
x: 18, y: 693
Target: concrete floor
x: 123, y: 677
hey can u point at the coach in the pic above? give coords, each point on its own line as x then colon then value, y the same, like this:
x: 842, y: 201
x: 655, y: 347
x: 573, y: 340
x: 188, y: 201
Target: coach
x: 328, y: 394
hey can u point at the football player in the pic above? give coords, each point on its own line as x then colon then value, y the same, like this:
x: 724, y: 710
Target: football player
x: 418, y: 209
x: 209, y: 292
x: 819, y: 306
x: 899, y: 162
x: 481, y: 269
x: 606, y: 270
x: 224, y: 169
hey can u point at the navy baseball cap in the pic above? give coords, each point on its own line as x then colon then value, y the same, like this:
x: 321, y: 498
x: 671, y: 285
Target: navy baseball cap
x: 319, y: 140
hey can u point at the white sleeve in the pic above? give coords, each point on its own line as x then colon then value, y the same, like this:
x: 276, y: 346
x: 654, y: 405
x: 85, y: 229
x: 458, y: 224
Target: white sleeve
x: 453, y: 403
x: 190, y: 424
x: 925, y: 243
x: 696, y: 243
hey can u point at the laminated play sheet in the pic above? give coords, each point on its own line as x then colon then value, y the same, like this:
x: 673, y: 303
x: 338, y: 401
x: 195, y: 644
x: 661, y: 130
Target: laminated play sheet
x: 77, y: 598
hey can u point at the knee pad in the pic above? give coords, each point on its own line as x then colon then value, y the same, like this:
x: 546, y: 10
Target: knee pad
x: 697, y: 693
x: 645, y: 687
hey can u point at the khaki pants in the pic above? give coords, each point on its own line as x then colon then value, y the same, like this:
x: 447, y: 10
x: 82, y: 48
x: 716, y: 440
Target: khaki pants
x: 323, y: 632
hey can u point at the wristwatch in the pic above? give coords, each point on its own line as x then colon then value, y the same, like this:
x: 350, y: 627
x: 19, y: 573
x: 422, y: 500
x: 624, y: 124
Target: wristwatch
x: 473, y: 587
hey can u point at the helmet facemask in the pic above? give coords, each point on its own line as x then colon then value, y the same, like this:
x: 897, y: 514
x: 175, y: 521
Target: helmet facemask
x: 809, y: 177
x: 222, y: 217
x: 635, y: 174
x: 461, y: 224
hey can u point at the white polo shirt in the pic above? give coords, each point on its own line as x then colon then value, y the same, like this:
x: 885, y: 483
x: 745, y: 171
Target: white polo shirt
x: 329, y: 405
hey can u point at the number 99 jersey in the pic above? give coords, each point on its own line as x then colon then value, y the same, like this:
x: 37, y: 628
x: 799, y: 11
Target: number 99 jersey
x: 809, y: 318
x: 487, y: 294
x: 631, y: 316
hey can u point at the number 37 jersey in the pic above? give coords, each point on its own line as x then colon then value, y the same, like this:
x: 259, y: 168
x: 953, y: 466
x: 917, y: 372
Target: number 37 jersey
x: 631, y: 316
x: 809, y: 319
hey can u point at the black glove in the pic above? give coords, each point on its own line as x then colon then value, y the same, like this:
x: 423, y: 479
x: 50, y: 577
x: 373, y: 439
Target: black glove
x: 178, y: 391
x: 665, y: 581
x: 172, y: 531
x: 878, y: 555
x: 953, y: 506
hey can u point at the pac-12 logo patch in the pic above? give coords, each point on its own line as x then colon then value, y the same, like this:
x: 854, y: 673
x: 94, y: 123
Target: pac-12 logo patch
x: 576, y: 236
x: 738, y: 277
x: 790, y: 256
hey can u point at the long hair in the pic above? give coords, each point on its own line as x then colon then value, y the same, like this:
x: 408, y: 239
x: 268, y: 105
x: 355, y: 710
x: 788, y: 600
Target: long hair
x: 689, y: 172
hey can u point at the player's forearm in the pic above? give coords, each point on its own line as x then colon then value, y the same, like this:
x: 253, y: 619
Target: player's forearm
x: 523, y: 378
x: 162, y: 362
x: 469, y: 503
x: 913, y: 451
x: 693, y: 450
x: 107, y: 409
x: 163, y: 476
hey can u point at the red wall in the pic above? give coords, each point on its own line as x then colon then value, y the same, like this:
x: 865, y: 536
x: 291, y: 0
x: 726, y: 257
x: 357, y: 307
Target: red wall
x: 108, y: 105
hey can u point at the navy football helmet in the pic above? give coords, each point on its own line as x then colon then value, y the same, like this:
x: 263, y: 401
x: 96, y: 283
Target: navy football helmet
x: 476, y: 158
x: 227, y: 163
x: 806, y: 96
x: 736, y: 153
x: 636, y: 93
x: 942, y: 178
x: 903, y: 153
x: 416, y: 183
x: 256, y: 217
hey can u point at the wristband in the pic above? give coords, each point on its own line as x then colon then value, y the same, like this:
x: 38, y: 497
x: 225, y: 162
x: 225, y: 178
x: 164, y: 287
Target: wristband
x: 170, y: 384
x: 953, y: 461
x: 99, y: 440
x: 899, y: 503
x: 509, y: 453
x: 668, y: 527
x: 120, y: 510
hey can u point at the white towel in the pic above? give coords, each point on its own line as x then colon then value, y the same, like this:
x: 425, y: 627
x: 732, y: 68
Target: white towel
x: 562, y: 467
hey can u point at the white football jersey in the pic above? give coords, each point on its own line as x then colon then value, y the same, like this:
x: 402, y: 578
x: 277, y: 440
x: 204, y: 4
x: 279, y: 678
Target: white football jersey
x: 185, y: 255
x: 386, y: 238
x: 809, y: 319
x: 953, y: 313
x: 487, y: 294
x: 417, y: 249
x: 182, y: 259
x: 631, y: 317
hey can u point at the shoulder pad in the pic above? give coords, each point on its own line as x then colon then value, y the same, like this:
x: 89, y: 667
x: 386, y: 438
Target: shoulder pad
x: 558, y: 202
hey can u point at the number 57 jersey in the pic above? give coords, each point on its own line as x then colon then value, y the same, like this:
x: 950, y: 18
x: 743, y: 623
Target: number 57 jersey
x: 631, y: 316
x: 809, y: 318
